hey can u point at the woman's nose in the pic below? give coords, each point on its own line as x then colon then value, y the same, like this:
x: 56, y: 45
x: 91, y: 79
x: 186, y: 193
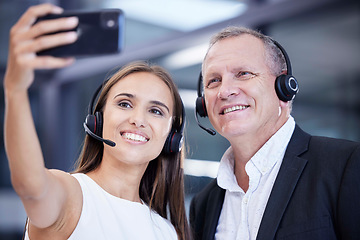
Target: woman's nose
x: 138, y: 118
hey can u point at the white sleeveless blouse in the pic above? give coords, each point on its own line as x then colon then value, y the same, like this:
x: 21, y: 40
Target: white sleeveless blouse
x: 107, y: 217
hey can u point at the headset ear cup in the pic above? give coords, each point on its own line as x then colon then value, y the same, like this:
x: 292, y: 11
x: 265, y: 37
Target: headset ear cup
x: 176, y: 142
x: 168, y: 142
x: 201, y: 107
x: 99, y: 124
x: 286, y: 87
x: 173, y: 142
x: 90, y: 122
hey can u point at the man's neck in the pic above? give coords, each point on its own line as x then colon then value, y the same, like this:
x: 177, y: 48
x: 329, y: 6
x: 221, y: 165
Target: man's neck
x: 244, y: 148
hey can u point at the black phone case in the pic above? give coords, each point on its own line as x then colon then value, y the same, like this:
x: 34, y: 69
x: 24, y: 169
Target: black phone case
x: 99, y: 33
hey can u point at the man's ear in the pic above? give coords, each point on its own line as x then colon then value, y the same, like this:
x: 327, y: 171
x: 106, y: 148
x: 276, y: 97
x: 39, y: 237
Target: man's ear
x: 284, y: 72
x: 283, y: 104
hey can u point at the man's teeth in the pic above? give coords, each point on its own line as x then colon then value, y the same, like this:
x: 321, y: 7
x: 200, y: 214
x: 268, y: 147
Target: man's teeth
x: 134, y: 137
x: 234, y: 108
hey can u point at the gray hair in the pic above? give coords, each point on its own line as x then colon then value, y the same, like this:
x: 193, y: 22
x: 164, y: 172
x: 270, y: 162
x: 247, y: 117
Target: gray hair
x: 274, y: 58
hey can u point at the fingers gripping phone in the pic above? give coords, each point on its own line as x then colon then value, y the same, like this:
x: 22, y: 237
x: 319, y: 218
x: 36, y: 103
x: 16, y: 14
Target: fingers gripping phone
x: 99, y: 32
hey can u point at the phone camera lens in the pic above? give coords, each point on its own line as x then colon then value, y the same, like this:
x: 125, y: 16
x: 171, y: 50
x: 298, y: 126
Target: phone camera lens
x: 109, y: 20
x: 110, y: 23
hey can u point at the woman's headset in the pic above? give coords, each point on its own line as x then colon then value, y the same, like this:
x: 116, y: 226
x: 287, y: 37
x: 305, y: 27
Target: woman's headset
x: 93, y: 126
x: 286, y: 87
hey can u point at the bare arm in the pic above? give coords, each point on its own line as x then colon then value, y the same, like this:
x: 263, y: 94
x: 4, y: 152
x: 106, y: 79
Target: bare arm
x: 43, y: 192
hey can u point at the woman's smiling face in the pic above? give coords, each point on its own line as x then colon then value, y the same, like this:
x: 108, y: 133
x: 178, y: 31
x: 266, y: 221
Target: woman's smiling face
x: 138, y: 117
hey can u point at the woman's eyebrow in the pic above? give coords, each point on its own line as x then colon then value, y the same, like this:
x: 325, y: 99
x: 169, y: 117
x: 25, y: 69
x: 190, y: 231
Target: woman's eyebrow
x: 129, y: 95
x: 160, y: 104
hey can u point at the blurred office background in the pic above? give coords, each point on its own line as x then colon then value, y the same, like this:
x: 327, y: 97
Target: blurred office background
x: 322, y: 38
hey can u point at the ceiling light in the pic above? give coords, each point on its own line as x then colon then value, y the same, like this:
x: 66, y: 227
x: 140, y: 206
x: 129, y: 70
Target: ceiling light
x: 181, y: 15
x: 187, y: 57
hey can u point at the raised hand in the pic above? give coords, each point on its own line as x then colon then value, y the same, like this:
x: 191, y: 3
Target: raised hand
x: 27, y: 38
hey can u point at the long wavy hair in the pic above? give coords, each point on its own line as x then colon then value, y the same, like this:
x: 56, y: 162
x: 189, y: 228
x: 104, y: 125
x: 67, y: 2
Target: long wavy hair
x: 162, y: 185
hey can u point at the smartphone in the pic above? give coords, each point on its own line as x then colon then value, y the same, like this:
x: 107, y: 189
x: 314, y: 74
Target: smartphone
x: 99, y: 32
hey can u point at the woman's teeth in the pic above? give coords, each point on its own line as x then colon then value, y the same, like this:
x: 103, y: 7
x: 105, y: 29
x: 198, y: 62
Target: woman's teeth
x: 134, y: 137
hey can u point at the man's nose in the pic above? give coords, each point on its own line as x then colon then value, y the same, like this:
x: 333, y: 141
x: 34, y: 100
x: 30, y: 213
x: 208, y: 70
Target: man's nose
x: 227, y: 88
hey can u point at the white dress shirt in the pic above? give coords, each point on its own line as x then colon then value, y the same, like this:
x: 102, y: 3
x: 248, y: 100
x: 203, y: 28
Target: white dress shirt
x: 242, y: 212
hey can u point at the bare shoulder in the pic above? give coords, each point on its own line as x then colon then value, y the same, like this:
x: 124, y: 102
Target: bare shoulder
x: 69, y: 181
x: 70, y: 212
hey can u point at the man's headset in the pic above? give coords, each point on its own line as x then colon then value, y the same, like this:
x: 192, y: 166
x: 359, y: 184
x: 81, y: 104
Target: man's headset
x: 286, y: 87
x: 93, y: 126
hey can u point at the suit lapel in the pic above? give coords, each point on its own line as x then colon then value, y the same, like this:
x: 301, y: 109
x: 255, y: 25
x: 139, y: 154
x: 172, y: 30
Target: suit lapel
x: 213, y: 210
x: 285, y: 183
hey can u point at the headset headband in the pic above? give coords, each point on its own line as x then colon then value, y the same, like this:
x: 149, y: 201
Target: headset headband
x: 286, y: 57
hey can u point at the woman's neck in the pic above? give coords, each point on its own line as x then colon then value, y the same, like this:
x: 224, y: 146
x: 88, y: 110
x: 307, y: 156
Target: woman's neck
x: 121, y: 181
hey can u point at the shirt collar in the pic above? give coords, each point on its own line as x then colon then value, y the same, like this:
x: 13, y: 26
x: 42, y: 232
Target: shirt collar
x: 274, y: 149
x: 264, y: 159
x: 226, y: 178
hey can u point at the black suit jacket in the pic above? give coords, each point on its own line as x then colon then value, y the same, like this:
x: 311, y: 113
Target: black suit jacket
x: 316, y: 194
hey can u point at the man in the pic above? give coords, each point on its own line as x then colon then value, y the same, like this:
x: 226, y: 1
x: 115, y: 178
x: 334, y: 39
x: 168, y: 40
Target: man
x: 275, y: 181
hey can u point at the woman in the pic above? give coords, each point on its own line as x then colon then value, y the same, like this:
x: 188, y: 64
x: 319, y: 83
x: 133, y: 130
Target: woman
x: 130, y: 187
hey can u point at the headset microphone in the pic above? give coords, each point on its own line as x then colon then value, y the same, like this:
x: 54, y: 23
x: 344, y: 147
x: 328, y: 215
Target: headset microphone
x: 200, y: 107
x: 94, y: 122
x: 208, y: 130
x: 106, y: 141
